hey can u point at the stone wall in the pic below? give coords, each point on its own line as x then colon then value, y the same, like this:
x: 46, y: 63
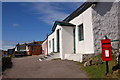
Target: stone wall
x: 105, y: 22
x: 119, y: 20
x: 87, y: 56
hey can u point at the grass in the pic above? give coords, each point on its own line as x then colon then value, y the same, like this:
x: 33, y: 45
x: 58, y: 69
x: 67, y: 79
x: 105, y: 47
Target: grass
x: 98, y: 71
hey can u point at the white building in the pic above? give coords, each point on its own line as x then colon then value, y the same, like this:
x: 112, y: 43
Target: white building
x: 45, y: 47
x: 78, y: 36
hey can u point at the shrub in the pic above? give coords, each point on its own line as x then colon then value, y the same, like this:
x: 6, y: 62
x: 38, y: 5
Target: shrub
x: 6, y: 63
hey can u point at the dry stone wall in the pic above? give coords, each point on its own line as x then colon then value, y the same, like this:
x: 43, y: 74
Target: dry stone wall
x: 105, y: 16
x: 119, y: 21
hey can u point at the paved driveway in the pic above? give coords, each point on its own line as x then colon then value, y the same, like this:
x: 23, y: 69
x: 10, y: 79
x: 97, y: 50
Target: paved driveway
x: 31, y: 67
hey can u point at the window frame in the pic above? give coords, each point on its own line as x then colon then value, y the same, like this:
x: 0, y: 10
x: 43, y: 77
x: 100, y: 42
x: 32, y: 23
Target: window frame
x: 80, y: 32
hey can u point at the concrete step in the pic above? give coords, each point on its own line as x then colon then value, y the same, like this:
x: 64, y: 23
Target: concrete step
x: 50, y: 57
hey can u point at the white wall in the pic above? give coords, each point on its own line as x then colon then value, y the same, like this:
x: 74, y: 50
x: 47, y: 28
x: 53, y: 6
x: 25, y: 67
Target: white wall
x: 67, y: 40
x: 50, y: 37
x: 87, y: 45
x: 54, y: 35
x: 15, y: 48
x: 60, y: 37
x: 44, y: 47
x: 27, y: 49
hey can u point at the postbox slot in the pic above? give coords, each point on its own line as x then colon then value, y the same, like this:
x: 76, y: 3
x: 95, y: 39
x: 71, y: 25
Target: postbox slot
x: 107, y: 48
x: 105, y: 43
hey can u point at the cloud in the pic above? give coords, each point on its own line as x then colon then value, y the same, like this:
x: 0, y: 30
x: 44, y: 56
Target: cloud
x: 10, y: 44
x: 7, y: 47
x: 51, y: 18
x: 15, y: 25
x: 50, y: 12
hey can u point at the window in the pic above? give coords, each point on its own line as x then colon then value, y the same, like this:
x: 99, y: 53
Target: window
x: 33, y: 48
x: 80, y: 32
x: 49, y: 44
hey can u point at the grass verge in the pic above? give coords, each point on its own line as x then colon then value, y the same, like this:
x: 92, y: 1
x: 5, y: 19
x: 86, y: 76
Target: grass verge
x: 98, y: 71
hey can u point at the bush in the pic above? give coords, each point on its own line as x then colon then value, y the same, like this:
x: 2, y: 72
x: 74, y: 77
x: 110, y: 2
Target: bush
x: 6, y: 63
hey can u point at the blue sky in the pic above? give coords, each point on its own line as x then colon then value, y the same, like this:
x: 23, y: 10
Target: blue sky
x: 28, y: 21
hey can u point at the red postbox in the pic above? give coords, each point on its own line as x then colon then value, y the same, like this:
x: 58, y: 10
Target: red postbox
x: 106, y: 50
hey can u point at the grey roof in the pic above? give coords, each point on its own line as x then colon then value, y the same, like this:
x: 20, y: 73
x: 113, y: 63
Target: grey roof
x: 78, y: 11
x: 33, y: 44
x: 61, y: 23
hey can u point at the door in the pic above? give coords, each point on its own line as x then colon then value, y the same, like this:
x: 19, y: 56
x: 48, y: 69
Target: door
x: 58, y: 41
x: 74, y: 40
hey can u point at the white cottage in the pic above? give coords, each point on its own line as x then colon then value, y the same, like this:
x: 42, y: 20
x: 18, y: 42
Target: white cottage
x: 78, y: 36
x: 61, y: 37
x: 45, y: 46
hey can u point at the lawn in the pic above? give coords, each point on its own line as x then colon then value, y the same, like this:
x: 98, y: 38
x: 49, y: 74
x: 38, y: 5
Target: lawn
x: 98, y: 71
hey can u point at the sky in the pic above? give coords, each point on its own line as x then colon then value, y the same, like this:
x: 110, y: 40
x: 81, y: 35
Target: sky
x: 28, y: 21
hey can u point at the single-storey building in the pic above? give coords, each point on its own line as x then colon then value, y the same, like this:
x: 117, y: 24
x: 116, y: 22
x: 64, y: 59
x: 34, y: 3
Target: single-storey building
x: 11, y: 51
x: 34, y: 48
x: 45, y: 46
x: 21, y: 49
x: 79, y: 35
x: 3, y: 53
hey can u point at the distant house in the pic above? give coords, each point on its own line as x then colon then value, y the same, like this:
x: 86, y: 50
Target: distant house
x: 34, y: 48
x: 21, y: 49
x: 11, y: 51
x: 4, y: 53
x: 79, y: 35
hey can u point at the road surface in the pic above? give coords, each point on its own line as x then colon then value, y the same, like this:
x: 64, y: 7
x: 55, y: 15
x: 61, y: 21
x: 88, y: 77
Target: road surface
x: 31, y: 67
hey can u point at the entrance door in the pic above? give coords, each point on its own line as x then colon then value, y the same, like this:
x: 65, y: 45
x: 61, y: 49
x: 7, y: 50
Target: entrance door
x: 58, y: 41
x: 53, y: 44
x: 74, y: 40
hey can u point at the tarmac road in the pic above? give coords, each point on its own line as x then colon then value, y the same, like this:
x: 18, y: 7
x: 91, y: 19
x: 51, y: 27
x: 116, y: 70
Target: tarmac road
x: 31, y: 67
